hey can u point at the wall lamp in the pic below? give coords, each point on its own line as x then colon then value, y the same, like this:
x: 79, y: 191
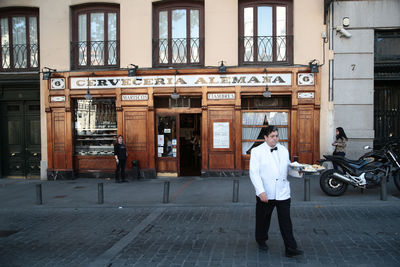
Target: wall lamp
x: 88, y: 95
x: 47, y: 72
x: 313, y: 66
x: 175, y: 95
x: 222, y: 67
x: 266, y: 93
x: 132, y: 70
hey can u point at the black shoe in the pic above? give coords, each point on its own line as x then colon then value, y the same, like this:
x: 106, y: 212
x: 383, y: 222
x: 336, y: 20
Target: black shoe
x: 124, y: 181
x: 262, y: 246
x: 292, y: 252
x: 118, y: 181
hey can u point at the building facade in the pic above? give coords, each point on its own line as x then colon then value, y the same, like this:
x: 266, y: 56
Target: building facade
x: 189, y: 84
x: 365, y: 71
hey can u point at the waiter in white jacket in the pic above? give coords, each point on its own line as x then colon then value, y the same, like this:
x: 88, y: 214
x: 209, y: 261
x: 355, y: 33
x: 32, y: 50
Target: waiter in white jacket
x: 269, y: 163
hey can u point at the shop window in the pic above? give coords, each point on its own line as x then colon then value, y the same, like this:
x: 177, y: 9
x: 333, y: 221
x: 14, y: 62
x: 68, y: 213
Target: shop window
x: 178, y: 30
x: 260, y: 113
x: 182, y: 102
x: 95, y: 126
x: 95, y: 36
x: 265, y: 32
x: 19, y: 39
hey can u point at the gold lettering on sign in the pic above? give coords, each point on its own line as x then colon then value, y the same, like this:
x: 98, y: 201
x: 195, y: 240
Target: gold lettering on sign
x: 160, y: 81
x: 126, y: 82
x: 180, y: 81
x: 80, y: 82
x: 253, y: 80
x: 148, y: 81
x: 200, y: 80
x: 239, y: 80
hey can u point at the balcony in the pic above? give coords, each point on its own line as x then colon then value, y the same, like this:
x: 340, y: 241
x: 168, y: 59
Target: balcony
x: 20, y: 57
x: 95, y: 55
x: 178, y: 52
x: 274, y: 50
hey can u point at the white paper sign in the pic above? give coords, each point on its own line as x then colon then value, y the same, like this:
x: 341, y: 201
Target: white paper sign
x: 134, y: 97
x: 167, y: 130
x: 221, y: 134
x: 160, y: 150
x: 160, y: 139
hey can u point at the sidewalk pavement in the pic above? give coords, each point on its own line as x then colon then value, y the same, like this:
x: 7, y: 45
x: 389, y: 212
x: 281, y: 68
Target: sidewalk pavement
x: 182, y: 191
x: 201, y: 226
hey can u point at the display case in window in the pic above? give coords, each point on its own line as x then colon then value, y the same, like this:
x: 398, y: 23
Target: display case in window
x: 95, y: 127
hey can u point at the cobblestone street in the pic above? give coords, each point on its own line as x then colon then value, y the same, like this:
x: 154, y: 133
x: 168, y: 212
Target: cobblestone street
x: 200, y: 226
x: 197, y: 236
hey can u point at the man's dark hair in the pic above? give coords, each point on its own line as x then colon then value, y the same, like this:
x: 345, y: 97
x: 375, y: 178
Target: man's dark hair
x: 267, y: 131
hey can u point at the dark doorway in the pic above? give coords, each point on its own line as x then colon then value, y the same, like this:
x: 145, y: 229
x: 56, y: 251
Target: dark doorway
x: 190, y: 144
x: 20, y: 131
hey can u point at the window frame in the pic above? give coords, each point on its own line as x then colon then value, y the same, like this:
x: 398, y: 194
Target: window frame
x: 26, y: 12
x: 169, y: 7
x: 88, y: 9
x: 289, y: 31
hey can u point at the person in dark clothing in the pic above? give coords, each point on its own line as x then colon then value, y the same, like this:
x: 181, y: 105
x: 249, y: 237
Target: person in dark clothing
x: 120, y: 158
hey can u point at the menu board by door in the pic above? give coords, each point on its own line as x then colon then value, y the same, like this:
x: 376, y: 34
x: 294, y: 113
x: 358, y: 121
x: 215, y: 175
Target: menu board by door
x: 221, y: 135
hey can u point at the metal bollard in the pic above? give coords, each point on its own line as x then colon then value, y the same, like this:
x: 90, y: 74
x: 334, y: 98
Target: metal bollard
x: 306, y: 187
x: 100, y: 193
x: 39, y: 194
x: 166, y: 192
x: 384, y: 189
x: 235, y: 197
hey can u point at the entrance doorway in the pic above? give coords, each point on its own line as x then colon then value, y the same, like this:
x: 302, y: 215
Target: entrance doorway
x: 190, y: 144
x: 178, y: 144
x: 20, y: 131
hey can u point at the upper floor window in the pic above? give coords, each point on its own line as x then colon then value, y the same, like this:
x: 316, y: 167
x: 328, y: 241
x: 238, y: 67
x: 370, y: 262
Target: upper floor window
x: 178, y: 30
x: 265, y: 32
x: 19, y: 39
x: 95, y: 36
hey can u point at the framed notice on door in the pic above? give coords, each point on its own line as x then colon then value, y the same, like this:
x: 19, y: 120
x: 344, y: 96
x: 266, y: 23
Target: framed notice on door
x: 221, y: 135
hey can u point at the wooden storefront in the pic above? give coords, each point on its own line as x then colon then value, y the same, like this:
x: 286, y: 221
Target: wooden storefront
x: 211, y: 104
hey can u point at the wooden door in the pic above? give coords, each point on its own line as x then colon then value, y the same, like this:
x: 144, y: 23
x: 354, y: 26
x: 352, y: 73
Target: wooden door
x: 20, y: 124
x: 167, y: 143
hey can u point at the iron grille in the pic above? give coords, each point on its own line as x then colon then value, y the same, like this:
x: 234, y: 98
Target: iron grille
x: 266, y: 49
x: 95, y: 54
x: 19, y: 57
x: 178, y: 51
x: 386, y: 112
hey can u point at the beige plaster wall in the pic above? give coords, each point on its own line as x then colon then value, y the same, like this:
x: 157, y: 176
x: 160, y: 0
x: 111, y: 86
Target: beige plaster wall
x: 221, y: 32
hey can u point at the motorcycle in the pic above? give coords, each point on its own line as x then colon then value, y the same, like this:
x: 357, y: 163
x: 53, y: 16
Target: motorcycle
x: 366, y: 172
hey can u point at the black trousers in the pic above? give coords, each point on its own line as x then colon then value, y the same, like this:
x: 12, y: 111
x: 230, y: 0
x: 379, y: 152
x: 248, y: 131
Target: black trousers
x: 263, y: 220
x: 120, y: 168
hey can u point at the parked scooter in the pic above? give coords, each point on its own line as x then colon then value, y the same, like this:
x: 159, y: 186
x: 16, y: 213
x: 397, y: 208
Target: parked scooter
x: 366, y: 172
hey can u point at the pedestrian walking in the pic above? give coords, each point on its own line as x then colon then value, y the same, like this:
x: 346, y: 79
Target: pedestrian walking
x: 121, y: 155
x: 339, y: 144
x: 269, y: 163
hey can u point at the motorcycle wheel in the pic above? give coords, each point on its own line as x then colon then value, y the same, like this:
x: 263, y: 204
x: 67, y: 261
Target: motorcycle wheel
x: 330, y: 185
x: 396, y: 178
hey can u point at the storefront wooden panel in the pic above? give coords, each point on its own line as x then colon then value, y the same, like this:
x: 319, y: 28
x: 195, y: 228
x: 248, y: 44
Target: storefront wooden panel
x: 306, y: 134
x: 167, y: 165
x: 135, y: 134
x: 222, y: 160
x: 104, y: 163
x: 59, y: 155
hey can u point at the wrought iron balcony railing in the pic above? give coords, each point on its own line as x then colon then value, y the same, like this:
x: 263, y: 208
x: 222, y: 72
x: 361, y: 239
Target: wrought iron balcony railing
x: 95, y: 54
x: 266, y: 49
x: 178, y: 51
x: 19, y: 57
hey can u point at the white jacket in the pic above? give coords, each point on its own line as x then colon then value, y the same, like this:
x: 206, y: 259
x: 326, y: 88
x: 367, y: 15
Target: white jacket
x: 268, y: 176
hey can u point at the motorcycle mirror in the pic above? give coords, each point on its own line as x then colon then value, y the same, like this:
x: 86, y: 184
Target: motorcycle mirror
x: 367, y: 147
